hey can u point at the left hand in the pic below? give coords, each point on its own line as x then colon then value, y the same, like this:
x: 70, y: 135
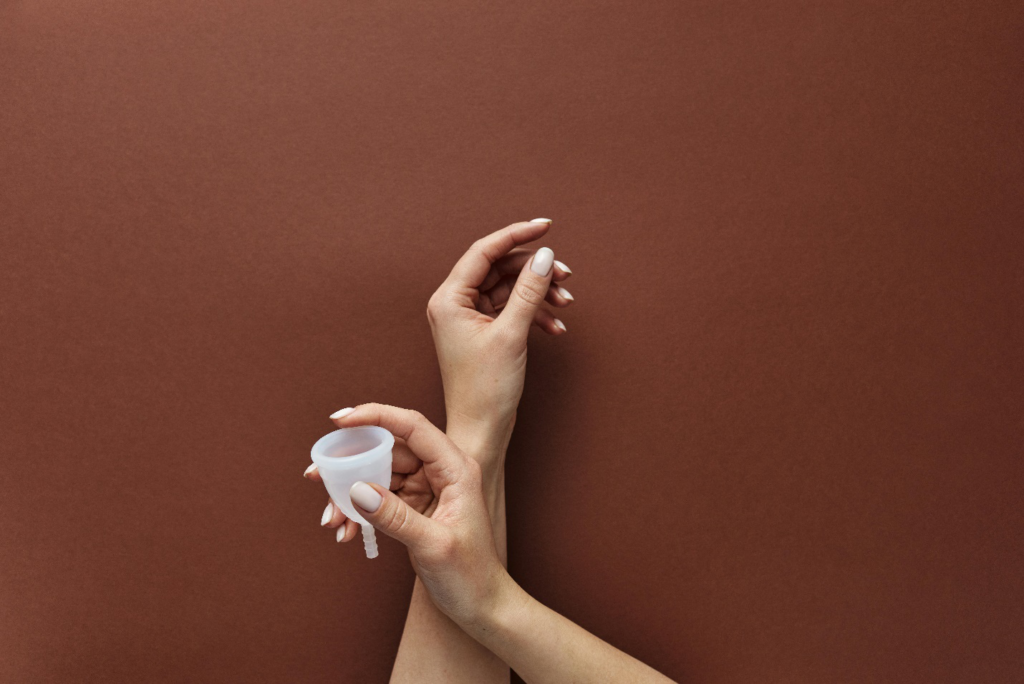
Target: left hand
x: 480, y: 318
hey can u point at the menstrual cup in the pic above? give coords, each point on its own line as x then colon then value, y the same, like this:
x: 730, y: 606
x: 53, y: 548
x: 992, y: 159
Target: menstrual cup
x: 350, y: 455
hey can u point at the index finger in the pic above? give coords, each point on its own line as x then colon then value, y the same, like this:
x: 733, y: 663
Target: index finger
x: 441, y: 458
x: 474, y: 265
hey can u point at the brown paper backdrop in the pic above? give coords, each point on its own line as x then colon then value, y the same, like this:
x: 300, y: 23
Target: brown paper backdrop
x: 781, y: 441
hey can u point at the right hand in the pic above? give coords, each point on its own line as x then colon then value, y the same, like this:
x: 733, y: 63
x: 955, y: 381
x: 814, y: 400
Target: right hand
x: 452, y: 547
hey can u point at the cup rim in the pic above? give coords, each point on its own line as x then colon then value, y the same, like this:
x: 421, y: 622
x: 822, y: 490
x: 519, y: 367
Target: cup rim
x: 387, y: 443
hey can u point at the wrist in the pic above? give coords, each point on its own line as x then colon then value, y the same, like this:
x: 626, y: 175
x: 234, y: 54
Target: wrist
x: 490, y: 454
x: 485, y: 441
x: 505, y: 607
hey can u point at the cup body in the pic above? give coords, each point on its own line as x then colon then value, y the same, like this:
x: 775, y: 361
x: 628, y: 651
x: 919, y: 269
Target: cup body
x: 351, y: 455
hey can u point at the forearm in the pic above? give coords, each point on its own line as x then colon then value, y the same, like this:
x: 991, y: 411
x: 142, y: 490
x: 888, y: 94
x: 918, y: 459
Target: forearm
x: 543, y: 646
x: 487, y: 446
x: 434, y: 648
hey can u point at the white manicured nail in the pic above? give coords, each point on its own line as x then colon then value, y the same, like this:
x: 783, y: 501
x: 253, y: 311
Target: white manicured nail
x: 564, y: 294
x: 328, y: 514
x: 342, y: 413
x: 562, y: 267
x: 365, y: 496
x: 560, y: 325
x: 547, y: 221
x: 542, y: 261
x: 310, y: 469
x: 341, y: 532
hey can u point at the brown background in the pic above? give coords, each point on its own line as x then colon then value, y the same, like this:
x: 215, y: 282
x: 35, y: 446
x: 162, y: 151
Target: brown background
x: 781, y: 441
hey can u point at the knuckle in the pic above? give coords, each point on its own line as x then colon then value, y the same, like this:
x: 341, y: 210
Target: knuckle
x: 530, y: 293
x: 478, y: 247
x: 395, y: 518
x: 436, y: 306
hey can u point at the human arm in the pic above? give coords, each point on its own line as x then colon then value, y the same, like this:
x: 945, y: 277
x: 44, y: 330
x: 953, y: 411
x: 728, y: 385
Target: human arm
x: 482, y: 366
x: 480, y: 318
x: 455, y: 557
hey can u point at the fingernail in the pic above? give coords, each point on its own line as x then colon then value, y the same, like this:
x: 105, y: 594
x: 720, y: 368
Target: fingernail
x: 342, y: 413
x: 560, y: 325
x: 365, y: 496
x: 341, y: 532
x: 328, y: 514
x: 310, y: 469
x: 562, y: 267
x: 542, y: 261
x: 564, y: 294
x: 547, y: 221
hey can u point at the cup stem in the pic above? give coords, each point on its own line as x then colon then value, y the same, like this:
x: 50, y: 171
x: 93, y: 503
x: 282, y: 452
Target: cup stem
x: 370, y: 541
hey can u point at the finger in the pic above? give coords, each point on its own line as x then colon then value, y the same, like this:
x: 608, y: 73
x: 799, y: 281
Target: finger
x: 474, y: 265
x: 419, y: 499
x: 529, y: 291
x: 332, y: 516
x: 498, y: 295
x: 512, y: 263
x: 548, y: 323
x: 392, y: 516
x: 402, y: 459
x: 441, y: 458
x: 485, y: 306
x: 346, y: 532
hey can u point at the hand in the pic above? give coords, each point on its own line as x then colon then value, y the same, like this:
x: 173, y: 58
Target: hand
x: 480, y: 318
x: 450, y: 543
x: 408, y: 481
x: 453, y: 552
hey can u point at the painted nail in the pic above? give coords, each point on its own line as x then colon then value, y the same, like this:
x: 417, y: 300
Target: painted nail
x: 564, y: 294
x: 342, y: 413
x: 563, y: 267
x: 310, y: 469
x: 541, y: 220
x: 328, y: 514
x: 542, y: 261
x: 365, y: 496
x: 341, y: 532
x: 560, y: 325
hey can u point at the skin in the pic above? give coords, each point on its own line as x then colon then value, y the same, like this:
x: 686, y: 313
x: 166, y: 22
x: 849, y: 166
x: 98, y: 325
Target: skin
x: 456, y: 558
x: 468, y: 620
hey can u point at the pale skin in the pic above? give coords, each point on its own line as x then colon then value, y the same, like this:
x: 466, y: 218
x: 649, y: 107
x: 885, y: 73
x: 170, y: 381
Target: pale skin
x: 468, y: 620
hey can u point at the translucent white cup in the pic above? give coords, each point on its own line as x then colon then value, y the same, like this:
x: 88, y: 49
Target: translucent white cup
x: 350, y: 455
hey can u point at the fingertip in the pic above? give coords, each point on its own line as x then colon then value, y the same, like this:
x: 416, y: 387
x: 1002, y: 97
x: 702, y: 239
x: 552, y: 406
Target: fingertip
x: 560, y: 326
x: 367, y: 496
x: 542, y: 262
x: 311, y: 472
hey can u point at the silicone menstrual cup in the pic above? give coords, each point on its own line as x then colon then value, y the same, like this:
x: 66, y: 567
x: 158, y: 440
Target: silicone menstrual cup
x: 350, y: 455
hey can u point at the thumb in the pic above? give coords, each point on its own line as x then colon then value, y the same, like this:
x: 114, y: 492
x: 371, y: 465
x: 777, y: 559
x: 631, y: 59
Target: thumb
x: 390, y: 515
x: 529, y: 292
